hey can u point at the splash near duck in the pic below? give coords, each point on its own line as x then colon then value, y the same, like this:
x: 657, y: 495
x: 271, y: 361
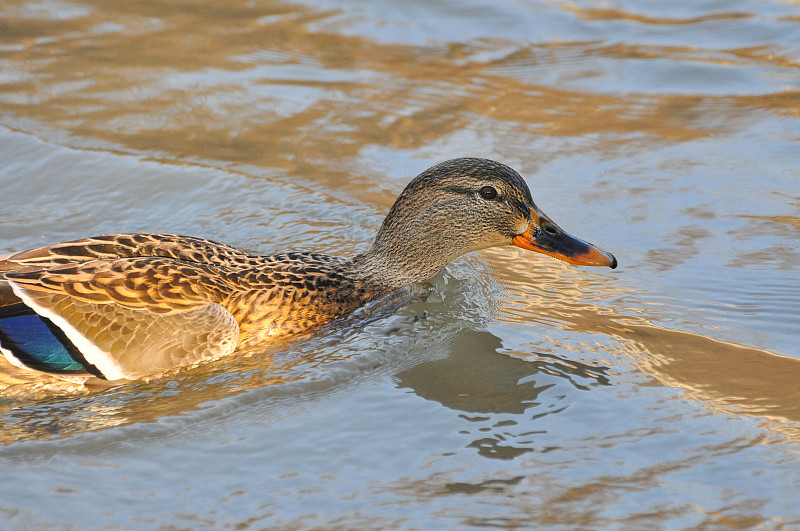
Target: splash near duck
x: 122, y: 306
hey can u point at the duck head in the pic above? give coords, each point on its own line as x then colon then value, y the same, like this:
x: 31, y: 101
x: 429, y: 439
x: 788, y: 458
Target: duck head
x: 463, y: 205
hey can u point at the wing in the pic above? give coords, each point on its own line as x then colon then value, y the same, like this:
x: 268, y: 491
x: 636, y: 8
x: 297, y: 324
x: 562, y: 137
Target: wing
x: 117, y: 319
x: 115, y: 246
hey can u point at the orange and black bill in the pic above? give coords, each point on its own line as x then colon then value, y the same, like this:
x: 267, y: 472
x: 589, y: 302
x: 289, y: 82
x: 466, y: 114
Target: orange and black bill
x: 544, y: 236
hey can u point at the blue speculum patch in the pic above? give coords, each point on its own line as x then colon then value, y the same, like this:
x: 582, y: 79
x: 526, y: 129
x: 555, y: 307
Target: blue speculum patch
x: 32, y: 340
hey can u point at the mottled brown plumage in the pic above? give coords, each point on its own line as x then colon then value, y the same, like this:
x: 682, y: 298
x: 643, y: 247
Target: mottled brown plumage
x: 133, y: 304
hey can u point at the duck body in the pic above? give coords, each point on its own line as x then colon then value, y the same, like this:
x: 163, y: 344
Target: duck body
x: 118, y: 307
x: 166, y: 300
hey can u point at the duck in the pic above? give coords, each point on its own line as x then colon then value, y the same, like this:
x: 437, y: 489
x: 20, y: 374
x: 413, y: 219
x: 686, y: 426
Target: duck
x: 119, y: 307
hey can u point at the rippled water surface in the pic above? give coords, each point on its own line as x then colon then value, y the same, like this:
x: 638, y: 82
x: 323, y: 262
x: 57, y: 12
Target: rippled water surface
x: 523, y: 393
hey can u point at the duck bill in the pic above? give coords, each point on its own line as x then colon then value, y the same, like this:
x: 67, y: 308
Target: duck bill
x: 544, y: 236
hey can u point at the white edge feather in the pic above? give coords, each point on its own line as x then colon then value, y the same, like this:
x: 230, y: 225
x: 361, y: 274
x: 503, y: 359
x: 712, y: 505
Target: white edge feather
x: 13, y: 360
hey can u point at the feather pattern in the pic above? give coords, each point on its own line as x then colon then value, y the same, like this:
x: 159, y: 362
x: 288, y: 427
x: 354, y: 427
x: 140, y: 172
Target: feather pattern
x: 134, y: 304
x: 117, y: 342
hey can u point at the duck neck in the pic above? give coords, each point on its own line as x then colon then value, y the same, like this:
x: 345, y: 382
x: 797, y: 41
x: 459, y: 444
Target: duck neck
x: 395, y: 268
x: 417, y: 239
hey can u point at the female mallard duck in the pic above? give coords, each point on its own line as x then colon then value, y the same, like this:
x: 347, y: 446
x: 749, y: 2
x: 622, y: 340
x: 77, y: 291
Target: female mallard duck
x: 126, y: 305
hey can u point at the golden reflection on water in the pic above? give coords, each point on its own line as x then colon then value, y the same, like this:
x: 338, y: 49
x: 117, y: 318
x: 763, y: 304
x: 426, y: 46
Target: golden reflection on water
x: 77, y: 409
x: 726, y: 376
x: 193, y: 87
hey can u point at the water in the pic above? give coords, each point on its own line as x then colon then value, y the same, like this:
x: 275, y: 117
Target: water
x: 524, y: 393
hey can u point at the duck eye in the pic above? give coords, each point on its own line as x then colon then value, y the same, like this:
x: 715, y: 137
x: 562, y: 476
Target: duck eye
x: 487, y: 192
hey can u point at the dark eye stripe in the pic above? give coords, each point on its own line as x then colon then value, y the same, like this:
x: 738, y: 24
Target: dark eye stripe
x: 487, y: 192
